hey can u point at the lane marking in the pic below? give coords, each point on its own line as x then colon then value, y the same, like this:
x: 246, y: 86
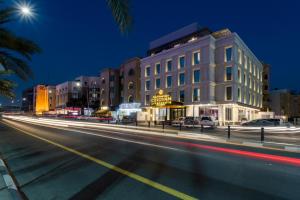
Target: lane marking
x: 132, y: 175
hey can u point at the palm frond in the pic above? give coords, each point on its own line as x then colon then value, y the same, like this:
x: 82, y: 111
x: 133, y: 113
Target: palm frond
x: 121, y: 13
x: 6, y: 15
x: 6, y: 88
x: 17, y: 44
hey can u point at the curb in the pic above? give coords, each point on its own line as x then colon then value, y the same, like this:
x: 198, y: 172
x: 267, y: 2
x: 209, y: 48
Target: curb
x: 9, y: 182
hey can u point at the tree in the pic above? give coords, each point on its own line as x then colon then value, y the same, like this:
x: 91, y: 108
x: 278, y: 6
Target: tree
x: 121, y: 13
x: 15, y: 53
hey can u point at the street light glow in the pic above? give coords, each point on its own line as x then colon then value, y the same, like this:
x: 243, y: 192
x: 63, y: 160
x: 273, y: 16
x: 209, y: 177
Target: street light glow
x: 25, y: 10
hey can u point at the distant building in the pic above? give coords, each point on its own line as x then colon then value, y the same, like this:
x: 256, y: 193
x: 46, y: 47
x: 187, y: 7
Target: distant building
x: 266, y: 87
x: 109, y: 89
x: 27, y: 100
x: 66, y: 92
x: 130, y: 81
x: 51, y: 97
x: 285, y: 103
x: 40, y: 99
x: 196, y: 72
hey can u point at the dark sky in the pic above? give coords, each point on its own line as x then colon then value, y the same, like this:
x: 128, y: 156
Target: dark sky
x: 79, y: 37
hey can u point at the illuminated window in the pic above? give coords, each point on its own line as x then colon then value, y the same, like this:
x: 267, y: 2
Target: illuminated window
x: 228, y: 114
x: 245, y: 79
x: 157, y: 83
x: 147, y: 85
x: 196, y: 58
x: 196, y: 94
x: 228, y: 93
x: 181, y: 79
x: 228, y: 54
x: 169, y: 82
x: 197, y: 76
x: 245, y: 62
x: 228, y: 76
x: 181, y: 62
x: 169, y: 66
x: 157, y: 68
x: 240, y: 56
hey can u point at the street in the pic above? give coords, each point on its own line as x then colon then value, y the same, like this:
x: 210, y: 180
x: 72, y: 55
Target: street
x: 51, y: 162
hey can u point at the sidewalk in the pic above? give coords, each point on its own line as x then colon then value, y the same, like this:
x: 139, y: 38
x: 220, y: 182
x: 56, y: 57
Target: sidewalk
x: 8, y: 189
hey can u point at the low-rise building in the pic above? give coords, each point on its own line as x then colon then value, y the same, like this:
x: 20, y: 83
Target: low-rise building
x: 43, y: 99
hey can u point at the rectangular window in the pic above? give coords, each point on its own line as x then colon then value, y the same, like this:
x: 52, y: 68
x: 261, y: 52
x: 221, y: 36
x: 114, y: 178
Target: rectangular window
x: 196, y: 94
x: 147, y: 86
x: 147, y: 99
x: 228, y: 74
x: 181, y: 96
x: 157, y: 68
x: 169, y: 82
x: 250, y: 66
x: 228, y: 54
x: 245, y: 62
x: 245, y: 79
x: 197, y: 76
x: 147, y: 71
x: 181, y: 62
x: 239, y: 94
x: 228, y: 93
x: 196, y: 58
x: 228, y: 114
x: 157, y: 83
x: 169, y: 66
x: 239, y: 75
x: 240, y: 56
x: 181, y: 79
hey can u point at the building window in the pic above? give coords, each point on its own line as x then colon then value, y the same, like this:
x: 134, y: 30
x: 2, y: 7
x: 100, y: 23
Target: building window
x: 169, y: 82
x: 130, y: 85
x: 130, y: 99
x: 157, y: 68
x: 147, y: 86
x: 250, y: 66
x: 196, y: 58
x: 196, y: 94
x: 245, y: 79
x: 245, y: 62
x: 228, y: 54
x: 181, y: 62
x: 131, y: 72
x: 169, y: 66
x: 240, y: 56
x: 197, y: 76
x: 147, y: 71
x: 157, y: 83
x: 181, y: 79
x: 181, y: 96
x: 228, y: 114
x: 239, y: 94
x: 239, y: 75
x: 228, y: 93
x: 228, y: 74
x: 147, y: 99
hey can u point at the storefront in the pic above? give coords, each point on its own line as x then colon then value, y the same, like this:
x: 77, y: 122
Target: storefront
x: 128, y: 110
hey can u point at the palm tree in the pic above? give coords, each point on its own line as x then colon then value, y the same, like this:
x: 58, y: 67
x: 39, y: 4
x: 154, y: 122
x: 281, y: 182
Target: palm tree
x: 121, y: 13
x: 15, y: 53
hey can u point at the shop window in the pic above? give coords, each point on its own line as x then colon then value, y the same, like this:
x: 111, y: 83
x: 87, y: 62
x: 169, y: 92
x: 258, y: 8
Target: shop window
x: 228, y: 114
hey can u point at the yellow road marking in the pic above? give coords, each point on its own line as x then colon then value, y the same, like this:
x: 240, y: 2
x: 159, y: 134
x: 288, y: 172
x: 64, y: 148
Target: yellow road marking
x: 132, y: 175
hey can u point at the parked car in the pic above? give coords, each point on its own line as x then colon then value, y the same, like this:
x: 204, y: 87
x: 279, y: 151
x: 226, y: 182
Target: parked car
x: 191, y: 121
x: 179, y: 121
x: 208, y: 121
x: 259, y: 122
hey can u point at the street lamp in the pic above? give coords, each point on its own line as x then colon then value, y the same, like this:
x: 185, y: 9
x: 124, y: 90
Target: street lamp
x: 25, y: 10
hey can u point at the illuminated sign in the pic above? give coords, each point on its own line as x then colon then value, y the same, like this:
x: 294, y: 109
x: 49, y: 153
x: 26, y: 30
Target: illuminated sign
x: 161, y: 99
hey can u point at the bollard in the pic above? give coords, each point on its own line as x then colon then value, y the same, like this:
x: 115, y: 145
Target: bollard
x: 149, y: 124
x: 180, y: 126
x: 202, y: 128
x: 262, y: 134
x: 163, y: 125
x: 228, y: 132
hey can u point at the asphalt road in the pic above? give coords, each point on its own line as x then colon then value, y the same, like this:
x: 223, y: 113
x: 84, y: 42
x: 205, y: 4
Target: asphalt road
x: 51, y: 162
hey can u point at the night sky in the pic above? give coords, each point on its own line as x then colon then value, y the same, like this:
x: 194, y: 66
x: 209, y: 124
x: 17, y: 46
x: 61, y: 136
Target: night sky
x: 80, y: 38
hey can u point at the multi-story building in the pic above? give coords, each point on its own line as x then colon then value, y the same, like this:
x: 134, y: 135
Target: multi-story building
x: 43, y: 99
x: 66, y: 92
x: 266, y: 87
x: 130, y: 82
x: 109, y: 89
x: 51, y: 97
x: 201, y: 73
x: 27, y: 100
